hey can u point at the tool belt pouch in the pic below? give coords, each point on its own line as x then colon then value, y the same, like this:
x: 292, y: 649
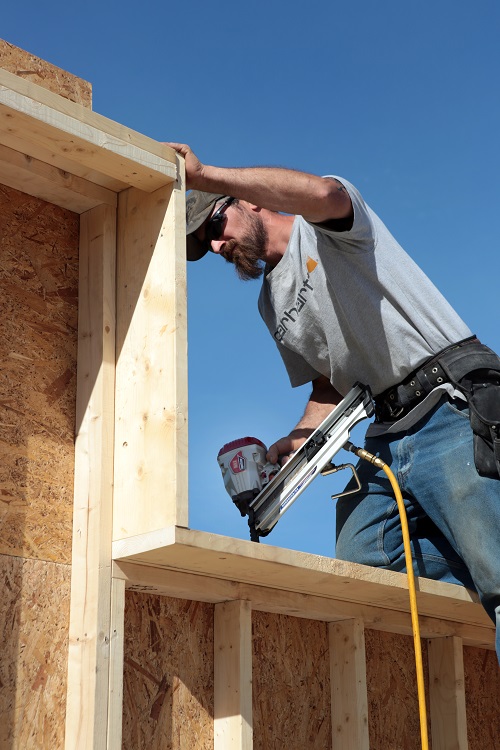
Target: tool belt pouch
x: 475, y: 370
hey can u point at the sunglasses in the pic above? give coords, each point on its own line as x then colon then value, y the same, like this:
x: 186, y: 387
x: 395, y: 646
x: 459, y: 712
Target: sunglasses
x: 215, y: 224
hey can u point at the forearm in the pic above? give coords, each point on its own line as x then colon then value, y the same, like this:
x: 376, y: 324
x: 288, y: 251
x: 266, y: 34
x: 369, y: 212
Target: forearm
x: 276, y: 189
x: 315, y: 198
x: 322, y: 400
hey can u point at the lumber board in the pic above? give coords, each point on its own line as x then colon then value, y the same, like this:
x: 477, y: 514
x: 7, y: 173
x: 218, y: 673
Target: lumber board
x: 151, y: 366
x: 54, y: 185
x: 273, y: 567
x: 179, y: 584
x: 348, y: 685
x: 55, y: 130
x: 233, y: 676
x: 116, y: 655
x: 88, y: 661
x: 447, y: 694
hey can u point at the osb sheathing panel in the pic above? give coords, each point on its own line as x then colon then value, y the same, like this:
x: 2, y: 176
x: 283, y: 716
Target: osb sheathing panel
x: 393, y: 714
x: 168, y: 674
x: 26, y: 65
x: 34, y: 637
x: 291, y: 683
x: 482, y: 698
x: 38, y: 348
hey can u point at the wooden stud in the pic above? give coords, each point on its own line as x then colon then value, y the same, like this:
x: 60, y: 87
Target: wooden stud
x: 88, y: 659
x: 151, y: 370
x: 447, y: 694
x: 233, y: 676
x: 116, y: 665
x: 348, y: 685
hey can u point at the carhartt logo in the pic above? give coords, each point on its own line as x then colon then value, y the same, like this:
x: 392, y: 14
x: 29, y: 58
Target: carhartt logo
x: 311, y: 264
x: 290, y: 316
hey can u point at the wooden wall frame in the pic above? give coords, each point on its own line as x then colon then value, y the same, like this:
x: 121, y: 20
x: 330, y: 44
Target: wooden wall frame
x: 131, y: 495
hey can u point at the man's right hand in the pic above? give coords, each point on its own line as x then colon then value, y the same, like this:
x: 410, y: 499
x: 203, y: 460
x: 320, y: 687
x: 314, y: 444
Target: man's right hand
x: 321, y: 401
x: 194, y: 167
x: 282, y: 450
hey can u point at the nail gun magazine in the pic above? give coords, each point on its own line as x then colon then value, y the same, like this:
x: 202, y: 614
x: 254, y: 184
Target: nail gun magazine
x: 263, y: 491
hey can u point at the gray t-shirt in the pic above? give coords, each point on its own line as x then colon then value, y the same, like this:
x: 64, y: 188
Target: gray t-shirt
x: 353, y: 306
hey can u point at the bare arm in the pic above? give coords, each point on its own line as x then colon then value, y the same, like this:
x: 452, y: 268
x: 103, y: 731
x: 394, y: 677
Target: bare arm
x: 315, y: 198
x: 321, y: 402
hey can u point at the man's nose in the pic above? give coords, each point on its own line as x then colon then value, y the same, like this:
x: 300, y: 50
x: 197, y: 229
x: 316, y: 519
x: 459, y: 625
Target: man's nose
x: 217, y: 246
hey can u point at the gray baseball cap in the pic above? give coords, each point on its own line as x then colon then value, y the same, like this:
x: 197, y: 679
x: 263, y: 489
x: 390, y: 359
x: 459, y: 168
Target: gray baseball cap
x: 199, y: 206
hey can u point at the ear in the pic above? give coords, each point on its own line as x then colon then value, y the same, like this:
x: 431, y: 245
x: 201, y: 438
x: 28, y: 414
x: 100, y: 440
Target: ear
x: 250, y: 206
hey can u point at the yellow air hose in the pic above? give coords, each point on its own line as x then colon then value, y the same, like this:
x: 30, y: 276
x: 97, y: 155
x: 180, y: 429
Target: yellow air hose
x: 361, y: 453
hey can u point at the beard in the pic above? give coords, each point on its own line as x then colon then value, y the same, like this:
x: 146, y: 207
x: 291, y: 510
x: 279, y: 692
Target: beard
x: 247, y: 255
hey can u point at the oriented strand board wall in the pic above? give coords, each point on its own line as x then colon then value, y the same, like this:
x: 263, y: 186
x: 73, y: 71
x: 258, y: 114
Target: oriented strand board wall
x: 38, y: 341
x: 482, y: 696
x: 393, y: 716
x: 291, y: 683
x: 168, y: 674
x: 26, y: 65
x: 34, y: 633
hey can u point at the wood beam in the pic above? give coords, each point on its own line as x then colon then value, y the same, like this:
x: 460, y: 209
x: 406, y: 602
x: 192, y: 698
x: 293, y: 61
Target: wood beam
x: 151, y: 371
x: 447, y: 694
x: 52, y: 129
x: 233, y: 676
x: 115, y: 714
x: 35, y: 177
x: 225, y: 558
x: 348, y: 685
x: 89, y: 633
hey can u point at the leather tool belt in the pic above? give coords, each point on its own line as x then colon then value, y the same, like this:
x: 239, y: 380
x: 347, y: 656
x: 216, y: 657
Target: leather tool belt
x: 472, y: 368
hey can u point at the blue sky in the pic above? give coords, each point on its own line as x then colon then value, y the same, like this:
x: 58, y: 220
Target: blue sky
x: 400, y: 98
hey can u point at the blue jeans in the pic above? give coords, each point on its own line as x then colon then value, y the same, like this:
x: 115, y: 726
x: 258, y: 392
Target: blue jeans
x: 453, y: 513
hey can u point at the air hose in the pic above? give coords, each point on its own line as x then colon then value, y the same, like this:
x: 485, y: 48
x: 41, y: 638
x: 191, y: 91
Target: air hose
x: 361, y: 453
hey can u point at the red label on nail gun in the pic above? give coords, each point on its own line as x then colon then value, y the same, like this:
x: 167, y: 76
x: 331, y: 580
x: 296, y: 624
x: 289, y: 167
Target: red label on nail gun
x: 238, y: 463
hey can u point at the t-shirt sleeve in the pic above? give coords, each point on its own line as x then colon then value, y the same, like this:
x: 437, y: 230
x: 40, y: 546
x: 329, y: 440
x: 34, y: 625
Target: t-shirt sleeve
x: 362, y: 233
x: 299, y: 371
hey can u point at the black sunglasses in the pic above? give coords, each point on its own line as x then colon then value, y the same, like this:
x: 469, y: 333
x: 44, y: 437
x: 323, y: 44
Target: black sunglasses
x: 215, y: 224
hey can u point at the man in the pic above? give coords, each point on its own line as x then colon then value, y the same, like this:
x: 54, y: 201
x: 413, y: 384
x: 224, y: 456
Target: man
x: 345, y: 303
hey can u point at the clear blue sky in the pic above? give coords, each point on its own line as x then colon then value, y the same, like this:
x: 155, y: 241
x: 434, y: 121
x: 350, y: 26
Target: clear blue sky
x: 400, y: 98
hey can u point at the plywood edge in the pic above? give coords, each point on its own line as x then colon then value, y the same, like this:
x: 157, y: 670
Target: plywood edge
x: 26, y: 65
x: 225, y: 558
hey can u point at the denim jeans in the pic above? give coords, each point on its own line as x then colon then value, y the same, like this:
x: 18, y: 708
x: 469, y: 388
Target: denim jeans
x: 453, y: 513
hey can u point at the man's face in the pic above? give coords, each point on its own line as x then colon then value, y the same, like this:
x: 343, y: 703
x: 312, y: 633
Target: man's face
x: 243, y: 240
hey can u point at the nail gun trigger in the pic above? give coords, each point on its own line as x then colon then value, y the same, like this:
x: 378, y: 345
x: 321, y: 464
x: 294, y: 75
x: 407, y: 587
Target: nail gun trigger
x: 314, y: 444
